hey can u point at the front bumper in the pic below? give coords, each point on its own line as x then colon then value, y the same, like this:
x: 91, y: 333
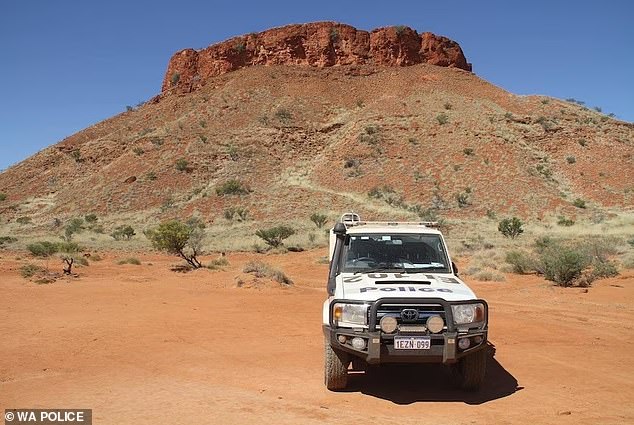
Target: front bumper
x: 379, y: 346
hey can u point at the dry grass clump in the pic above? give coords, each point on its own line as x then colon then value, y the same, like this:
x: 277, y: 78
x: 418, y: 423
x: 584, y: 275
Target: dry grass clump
x: 263, y: 270
x: 130, y: 260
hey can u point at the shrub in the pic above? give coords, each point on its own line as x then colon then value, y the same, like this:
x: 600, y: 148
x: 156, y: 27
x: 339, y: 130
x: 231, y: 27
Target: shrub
x: 521, y: 262
x: 75, y: 225
x: 217, y: 263
x: 489, y: 275
x: 175, y: 79
x: 123, y: 232
x: 442, y: 118
x: 181, y: 164
x: 179, y: 239
x: 571, y: 159
x: 579, y: 203
x: 274, y: 236
x: 564, y: 221
x: 463, y: 199
x: 448, y: 106
x: 232, y: 187
x: 400, y: 29
x: 69, y: 253
x: 468, y: 151
x: 334, y: 35
x: 237, y: 213
x: 43, y: 248
x: 130, y: 260
x: 3, y: 196
x: 319, y: 219
x: 511, y: 227
x: 23, y: 220
x: 387, y: 194
x: 76, y: 155
x: 7, y: 240
x: 283, y: 115
x: 370, y: 135
x: 583, y: 142
x: 29, y: 270
x: 260, y: 269
x: 601, y: 269
x: 151, y: 176
x: 562, y: 265
x: 91, y: 218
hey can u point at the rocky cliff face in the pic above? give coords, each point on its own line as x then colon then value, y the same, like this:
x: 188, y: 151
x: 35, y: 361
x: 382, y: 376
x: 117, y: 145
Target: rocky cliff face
x: 318, y: 44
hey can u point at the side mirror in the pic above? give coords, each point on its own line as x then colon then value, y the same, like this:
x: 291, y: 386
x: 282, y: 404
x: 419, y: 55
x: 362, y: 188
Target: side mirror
x: 455, y: 268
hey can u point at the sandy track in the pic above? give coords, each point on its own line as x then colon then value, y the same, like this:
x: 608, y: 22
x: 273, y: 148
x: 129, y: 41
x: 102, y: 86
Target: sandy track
x: 144, y: 345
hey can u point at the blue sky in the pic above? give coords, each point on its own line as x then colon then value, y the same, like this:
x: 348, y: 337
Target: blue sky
x: 69, y: 64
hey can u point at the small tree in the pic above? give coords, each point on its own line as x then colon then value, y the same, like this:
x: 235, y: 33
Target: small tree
x: 274, y: 236
x: 3, y: 196
x: 76, y: 225
x: 68, y: 253
x: 319, y: 219
x: 180, y: 239
x: 123, y: 232
x: 511, y: 227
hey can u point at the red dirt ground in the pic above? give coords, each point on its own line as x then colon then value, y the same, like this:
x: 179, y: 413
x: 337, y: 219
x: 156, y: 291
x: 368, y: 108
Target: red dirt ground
x: 144, y: 345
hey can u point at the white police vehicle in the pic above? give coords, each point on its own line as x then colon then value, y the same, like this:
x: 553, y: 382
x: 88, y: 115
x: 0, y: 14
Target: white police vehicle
x: 394, y: 296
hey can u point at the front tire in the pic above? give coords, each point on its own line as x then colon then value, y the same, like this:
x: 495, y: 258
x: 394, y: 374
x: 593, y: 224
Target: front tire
x: 471, y: 370
x: 335, y: 368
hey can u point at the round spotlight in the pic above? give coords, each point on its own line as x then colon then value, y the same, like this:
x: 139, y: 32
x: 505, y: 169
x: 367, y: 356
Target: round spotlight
x: 358, y: 343
x: 435, y: 324
x: 464, y: 343
x: 342, y: 339
x: 388, y: 324
x: 477, y: 339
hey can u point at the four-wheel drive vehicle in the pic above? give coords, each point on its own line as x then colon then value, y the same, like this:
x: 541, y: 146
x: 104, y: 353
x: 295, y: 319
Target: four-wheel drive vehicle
x: 394, y: 296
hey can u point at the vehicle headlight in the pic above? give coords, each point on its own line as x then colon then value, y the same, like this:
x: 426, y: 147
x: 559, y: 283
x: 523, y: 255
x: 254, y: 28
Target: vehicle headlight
x: 352, y: 314
x: 467, y: 313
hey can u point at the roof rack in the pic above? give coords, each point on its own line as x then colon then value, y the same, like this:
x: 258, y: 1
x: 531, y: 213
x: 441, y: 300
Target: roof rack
x: 353, y: 219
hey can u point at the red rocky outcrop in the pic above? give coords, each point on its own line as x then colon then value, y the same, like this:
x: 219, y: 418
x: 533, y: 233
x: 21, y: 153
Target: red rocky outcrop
x: 319, y: 44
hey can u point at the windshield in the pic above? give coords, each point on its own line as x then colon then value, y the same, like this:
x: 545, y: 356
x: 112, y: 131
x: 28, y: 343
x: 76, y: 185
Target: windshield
x: 411, y: 253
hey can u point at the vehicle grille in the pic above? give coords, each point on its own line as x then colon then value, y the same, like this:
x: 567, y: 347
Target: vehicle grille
x: 424, y: 312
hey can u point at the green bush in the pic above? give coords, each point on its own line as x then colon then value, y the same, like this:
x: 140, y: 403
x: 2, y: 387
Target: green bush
x: 564, y: 221
x: 319, y: 219
x: 175, y: 79
x: 75, y: 225
x: 7, y: 240
x: 179, y: 239
x: 468, y: 151
x: 43, y: 248
x: 123, y: 232
x: 579, y: 203
x: 23, y: 220
x: 521, y: 262
x: 370, y: 135
x: 181, y: 164
x: 571, y: 159
x: 91, y: 218
x: 274, y: 236
x: 442, y: 118
x: 3, y: 196
x: 563, y: 265
x: 602, y: 269
x: 232, y: 187
x: 511, y: 227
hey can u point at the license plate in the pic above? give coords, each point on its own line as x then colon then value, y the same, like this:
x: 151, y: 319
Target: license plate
x: 412, y: 343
